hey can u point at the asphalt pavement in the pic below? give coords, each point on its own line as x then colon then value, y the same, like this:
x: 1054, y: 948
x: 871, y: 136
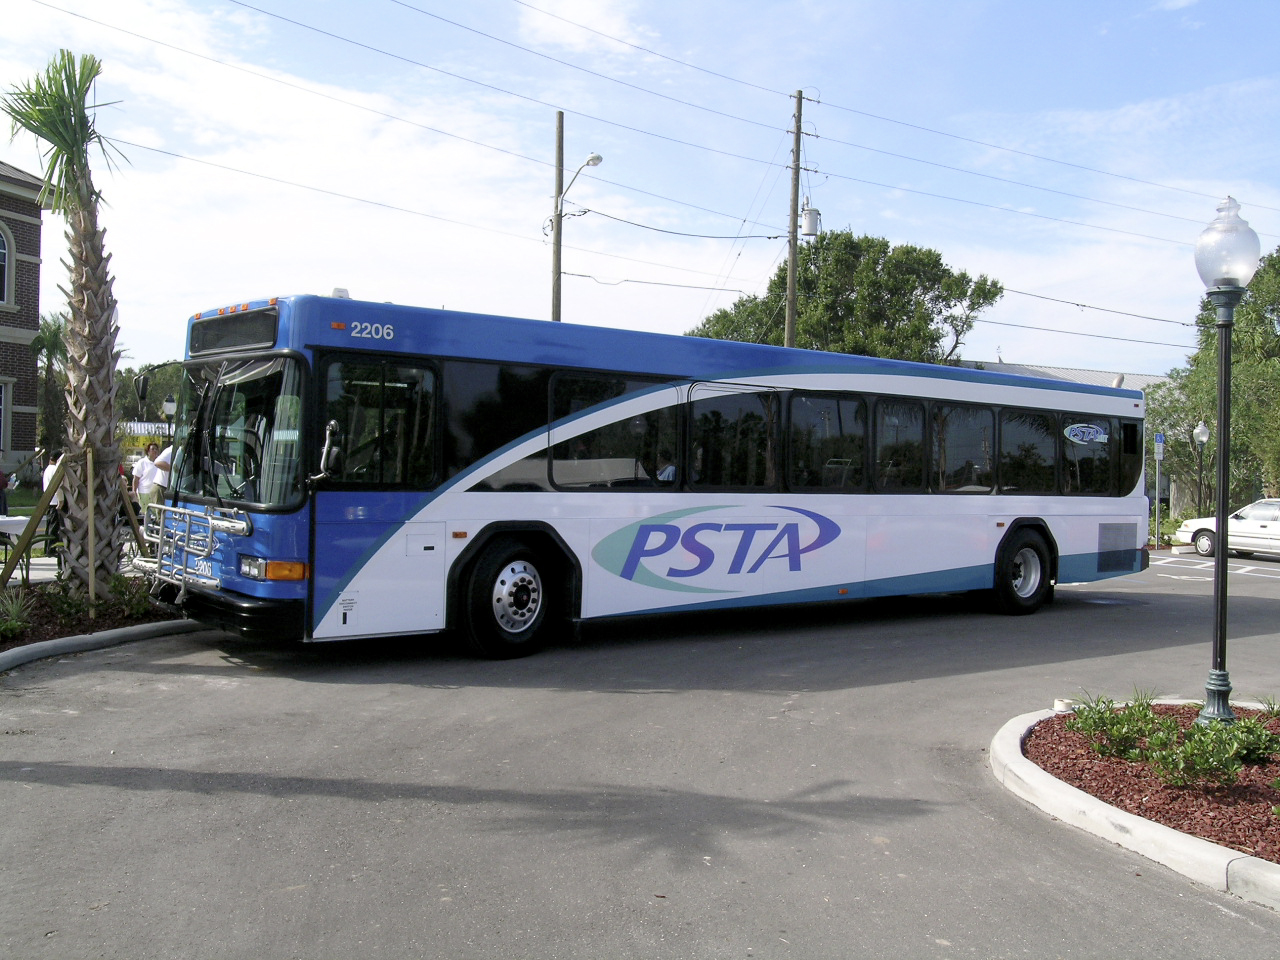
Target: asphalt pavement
x: 794, y: 785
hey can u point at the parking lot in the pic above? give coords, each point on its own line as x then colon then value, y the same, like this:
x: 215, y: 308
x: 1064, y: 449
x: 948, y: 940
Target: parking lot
x: 785, y: 784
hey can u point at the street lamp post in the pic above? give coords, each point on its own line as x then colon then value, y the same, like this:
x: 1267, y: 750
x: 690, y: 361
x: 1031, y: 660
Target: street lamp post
x: 1201, y: 436
x: 557, y: 220
x: 1227, y: 255
x: 169, y: 408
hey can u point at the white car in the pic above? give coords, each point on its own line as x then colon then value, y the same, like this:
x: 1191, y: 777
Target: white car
x: 1251, y: 529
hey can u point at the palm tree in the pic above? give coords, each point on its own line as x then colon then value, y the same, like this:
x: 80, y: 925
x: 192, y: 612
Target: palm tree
x: 50, y: 348
x: 54, y: 106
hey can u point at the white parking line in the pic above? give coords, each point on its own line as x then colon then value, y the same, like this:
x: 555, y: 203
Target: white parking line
x: 1266, y: 573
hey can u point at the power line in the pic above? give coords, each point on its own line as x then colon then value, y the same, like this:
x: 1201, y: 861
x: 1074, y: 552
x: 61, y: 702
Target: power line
x: 398, y: 209
x: 678, y: 233
x: 1081, y: 333
x: 659, y: 136
x: 418, y: 213
x: 574, y: 66
x: 340, y: 195
x: 883, y: 119
x: 372, y: 110
x: 1021, y: 213
x: 1085, y: 306
x: 653, y: 283
x: 768, y: 126
x: 654, y: 53
x: 490, y: 86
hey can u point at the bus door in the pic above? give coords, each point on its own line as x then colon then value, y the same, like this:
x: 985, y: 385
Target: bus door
x: 377, y: 569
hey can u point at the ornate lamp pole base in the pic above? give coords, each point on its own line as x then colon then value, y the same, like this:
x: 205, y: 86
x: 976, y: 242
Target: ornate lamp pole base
x: 1217, y: 699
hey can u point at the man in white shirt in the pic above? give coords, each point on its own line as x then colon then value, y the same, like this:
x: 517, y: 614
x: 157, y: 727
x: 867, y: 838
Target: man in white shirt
x: 162, y: 464
x: 144, y: 476
x: 53, y: 518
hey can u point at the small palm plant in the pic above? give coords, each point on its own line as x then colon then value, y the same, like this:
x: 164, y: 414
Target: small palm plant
x: 15, y: 613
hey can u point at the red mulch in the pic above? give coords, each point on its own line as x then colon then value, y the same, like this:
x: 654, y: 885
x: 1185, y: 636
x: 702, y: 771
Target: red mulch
x: 1240, y: 816
x: 49, y: 621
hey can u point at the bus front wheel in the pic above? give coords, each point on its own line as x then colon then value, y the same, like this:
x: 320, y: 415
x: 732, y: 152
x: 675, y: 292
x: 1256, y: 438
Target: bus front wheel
x: 1023, y: 574
x: 506, y: 602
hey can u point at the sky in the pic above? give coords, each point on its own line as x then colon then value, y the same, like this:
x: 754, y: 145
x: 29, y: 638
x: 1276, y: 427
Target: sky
x: 404, y: 150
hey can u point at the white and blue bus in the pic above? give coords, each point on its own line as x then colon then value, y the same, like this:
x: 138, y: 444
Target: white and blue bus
x: 350, y: 470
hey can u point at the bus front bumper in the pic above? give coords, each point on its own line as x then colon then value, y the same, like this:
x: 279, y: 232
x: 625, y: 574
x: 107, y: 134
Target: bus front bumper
x: 251, y: 617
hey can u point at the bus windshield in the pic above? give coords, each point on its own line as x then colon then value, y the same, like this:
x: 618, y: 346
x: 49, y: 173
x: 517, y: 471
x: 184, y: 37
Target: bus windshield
x: 242, y: 422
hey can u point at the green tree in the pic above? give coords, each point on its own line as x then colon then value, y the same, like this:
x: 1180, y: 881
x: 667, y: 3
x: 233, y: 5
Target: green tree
x: 1190, y: 395
x: 163, y: 380
x: 54, y: 107
x: 50, y: 349
x: 862, y: 296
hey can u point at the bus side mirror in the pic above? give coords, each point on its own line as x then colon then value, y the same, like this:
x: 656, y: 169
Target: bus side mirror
x: 329, y: 454
x: 140, y: 384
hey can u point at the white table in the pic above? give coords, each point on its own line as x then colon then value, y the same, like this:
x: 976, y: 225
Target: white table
x: 13, y: 525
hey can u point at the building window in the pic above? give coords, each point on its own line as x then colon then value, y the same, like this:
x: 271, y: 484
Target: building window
x: 6, y: 264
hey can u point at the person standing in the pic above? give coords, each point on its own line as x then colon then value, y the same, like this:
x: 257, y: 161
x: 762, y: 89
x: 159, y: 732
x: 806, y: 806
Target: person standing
x: 53, y: 517
x: 144, y: 477
x: 162, y: 463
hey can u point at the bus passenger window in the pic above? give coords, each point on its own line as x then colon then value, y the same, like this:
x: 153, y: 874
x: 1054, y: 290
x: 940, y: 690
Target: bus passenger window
x: 734, y: 440
x: 962, y: 459
x: 1088, y: 454
x: 620, y: 453
x: 899, y: 446
x: 827, y: 443
x: 1028, y: 451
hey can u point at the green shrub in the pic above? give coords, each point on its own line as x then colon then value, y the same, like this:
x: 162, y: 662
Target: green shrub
x: 1256, y: 743
x: 1204, y: 754
x: 1112, y: 731
x: 15, y: 613
x: 1212, y: 753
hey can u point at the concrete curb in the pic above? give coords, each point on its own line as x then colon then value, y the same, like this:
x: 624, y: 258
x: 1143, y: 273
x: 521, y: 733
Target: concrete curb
x: 1230, y: 871
x: 95, y: 641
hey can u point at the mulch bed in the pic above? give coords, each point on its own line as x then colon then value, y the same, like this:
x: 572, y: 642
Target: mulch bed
x: 1240, y: 816
x: 50, y: 620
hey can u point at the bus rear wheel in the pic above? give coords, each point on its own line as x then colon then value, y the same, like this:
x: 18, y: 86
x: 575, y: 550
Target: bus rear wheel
x: 1023, y: 581
x: 506, y: 602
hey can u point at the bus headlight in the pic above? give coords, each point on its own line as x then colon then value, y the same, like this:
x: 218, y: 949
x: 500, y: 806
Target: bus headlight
x: 257, y: 568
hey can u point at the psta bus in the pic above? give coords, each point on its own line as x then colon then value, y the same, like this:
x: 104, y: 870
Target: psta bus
x: 350, y: 470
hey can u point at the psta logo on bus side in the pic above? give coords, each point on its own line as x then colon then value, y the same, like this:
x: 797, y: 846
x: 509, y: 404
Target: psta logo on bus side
x: 711, y: 552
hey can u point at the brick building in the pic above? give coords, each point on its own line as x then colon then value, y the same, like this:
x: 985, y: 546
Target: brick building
x: 19, y: 312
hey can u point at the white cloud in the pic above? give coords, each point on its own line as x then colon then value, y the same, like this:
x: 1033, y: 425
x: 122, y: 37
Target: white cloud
x: 552, y: 22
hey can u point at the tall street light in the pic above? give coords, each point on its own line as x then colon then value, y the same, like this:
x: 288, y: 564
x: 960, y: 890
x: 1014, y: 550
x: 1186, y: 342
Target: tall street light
x: 1227, y: 255
x: 557, y: 222
x: 169, y: 408
x: 1201, y: 436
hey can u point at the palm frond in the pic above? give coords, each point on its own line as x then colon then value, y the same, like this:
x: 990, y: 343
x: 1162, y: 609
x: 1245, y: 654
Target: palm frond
x: 54, y: 108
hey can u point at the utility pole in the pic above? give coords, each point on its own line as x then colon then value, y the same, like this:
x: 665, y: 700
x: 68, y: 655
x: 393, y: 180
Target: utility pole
x: 557, y: 219
x: 789, y: 331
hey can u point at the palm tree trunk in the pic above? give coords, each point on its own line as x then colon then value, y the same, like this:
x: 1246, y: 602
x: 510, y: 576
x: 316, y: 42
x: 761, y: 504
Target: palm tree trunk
x: 91, y: 419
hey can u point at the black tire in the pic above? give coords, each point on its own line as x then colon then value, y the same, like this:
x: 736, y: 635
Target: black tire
x: 507, y: 601
x: 1024, y: 580
x: 1205, y: 542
